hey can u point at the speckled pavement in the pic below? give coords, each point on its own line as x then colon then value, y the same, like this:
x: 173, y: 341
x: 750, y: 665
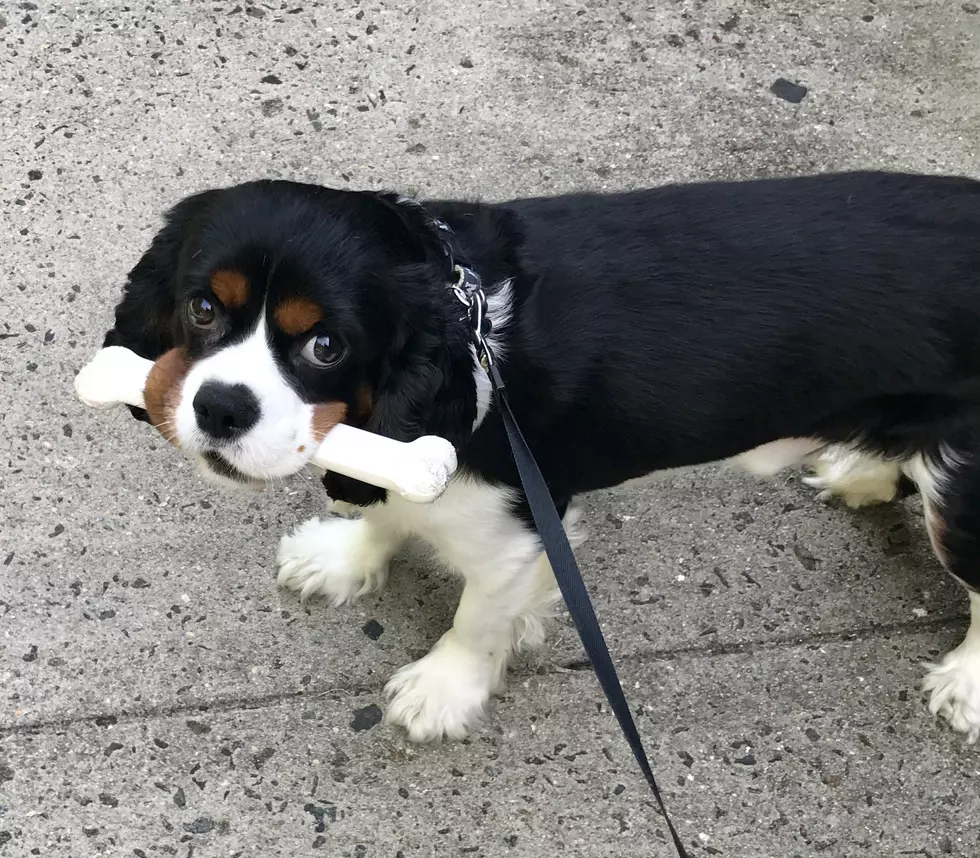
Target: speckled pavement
x: 159, y: 697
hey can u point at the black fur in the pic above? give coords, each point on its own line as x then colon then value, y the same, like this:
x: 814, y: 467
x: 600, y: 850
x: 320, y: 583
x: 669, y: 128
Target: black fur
x: 651, y: 329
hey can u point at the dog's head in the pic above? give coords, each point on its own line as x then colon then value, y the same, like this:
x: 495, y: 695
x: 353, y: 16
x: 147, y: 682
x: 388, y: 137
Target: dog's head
x: 282, y: 300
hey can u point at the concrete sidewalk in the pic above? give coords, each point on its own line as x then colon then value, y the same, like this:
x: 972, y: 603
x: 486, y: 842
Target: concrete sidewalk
x: 161, y: 697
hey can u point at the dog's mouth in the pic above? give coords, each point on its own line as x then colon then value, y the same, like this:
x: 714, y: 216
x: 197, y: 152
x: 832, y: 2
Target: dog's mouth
x: 221, y: 467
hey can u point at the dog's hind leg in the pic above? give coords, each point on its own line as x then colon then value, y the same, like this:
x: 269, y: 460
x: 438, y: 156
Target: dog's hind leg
x: 857, y: 477
x: 949, y: 481
x: 545, y: 597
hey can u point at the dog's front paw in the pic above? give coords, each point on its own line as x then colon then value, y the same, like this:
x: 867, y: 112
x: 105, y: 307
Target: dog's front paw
x: 443, y: 695
x: 954, y: 689
x: 335, y: 557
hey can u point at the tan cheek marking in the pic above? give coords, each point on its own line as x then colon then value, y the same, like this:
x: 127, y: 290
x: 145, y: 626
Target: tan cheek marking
x: 365, y: 403
x: 162, y: 391
x: 230, y: 287
x: 296, y: 316
x: 325, y: 417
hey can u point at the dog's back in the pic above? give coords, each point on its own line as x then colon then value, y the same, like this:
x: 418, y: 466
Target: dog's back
x: 722, y: 315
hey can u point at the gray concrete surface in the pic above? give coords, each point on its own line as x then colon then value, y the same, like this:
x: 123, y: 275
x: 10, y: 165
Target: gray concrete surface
x: 160, y: 697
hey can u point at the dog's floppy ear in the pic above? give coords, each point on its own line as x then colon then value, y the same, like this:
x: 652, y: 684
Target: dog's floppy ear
x: 422, y: 391
x: 429, y: 391
x: 144, y: 318
x: 424, y: 385
x: 145, y: 315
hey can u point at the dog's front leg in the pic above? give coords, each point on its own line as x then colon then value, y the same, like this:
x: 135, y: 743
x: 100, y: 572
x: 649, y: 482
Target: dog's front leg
x: 444, y: 694
x: 508, y: 587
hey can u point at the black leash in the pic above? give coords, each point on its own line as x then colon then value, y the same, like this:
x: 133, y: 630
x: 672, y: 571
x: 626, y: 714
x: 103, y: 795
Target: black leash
x: 468, y: 289
x: 573, y: 589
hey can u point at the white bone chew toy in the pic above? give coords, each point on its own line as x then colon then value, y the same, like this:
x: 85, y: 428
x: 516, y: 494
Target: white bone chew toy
x: 418, y: 471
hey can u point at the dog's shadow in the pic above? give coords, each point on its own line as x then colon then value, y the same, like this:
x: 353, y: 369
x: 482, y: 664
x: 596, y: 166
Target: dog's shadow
x: 897, y: 532
x: 419, y: 601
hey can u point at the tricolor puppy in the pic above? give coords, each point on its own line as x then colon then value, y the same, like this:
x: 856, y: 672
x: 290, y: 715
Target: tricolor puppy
x: 832, y: 321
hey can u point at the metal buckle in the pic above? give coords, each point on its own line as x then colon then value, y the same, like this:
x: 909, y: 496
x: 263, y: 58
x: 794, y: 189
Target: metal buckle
x: 458, y: 286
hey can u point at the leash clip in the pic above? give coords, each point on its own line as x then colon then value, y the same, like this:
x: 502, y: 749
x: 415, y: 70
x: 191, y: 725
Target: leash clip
x: 468, y: 289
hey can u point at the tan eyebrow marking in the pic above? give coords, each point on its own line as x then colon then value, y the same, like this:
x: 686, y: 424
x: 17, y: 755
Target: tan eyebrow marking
x: 296, y: 316
x: 231, y: 288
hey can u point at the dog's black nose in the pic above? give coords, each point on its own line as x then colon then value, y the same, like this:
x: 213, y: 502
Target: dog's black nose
x: 225, y: 411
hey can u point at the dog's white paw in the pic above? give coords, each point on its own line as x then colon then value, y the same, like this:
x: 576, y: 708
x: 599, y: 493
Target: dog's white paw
x: 954, y: 689
x: 443, y: 695
x: 339, y: 558
x: 856, y: 478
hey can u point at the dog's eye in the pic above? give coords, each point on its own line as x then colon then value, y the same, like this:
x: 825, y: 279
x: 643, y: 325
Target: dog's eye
x: 201, y: 312
x: 324, y: 350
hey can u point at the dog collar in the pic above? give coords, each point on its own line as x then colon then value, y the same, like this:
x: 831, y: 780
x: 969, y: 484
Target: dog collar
x: 467, y: 286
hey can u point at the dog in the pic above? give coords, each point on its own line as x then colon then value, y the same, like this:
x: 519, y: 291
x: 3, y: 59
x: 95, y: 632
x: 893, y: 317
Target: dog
x: 830, y: 321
